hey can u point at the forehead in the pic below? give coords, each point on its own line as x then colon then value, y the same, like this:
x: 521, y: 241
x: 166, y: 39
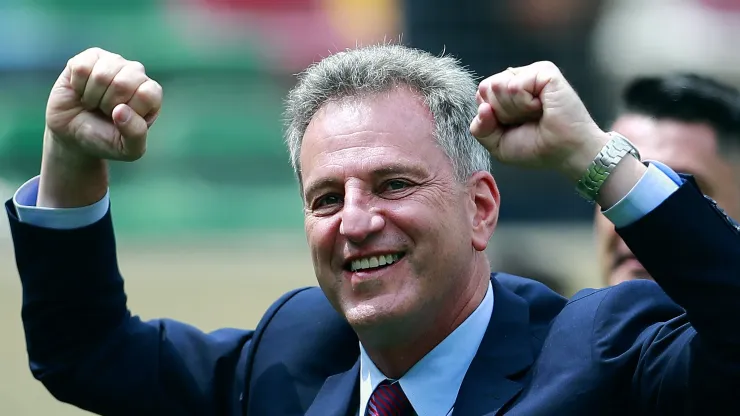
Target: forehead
x: 687, y: 147
x: 354, y: 136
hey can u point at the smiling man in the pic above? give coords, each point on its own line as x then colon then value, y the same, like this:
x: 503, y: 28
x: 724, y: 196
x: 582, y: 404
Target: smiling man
x: 391, y: 147
x: 377, y: 195
x: 692, y: 124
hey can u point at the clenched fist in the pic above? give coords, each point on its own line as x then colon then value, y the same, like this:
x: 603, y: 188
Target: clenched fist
x: 102, y: 106
x: 531, y: 116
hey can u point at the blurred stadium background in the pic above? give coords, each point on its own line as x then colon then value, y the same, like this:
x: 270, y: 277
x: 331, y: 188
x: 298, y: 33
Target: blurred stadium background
x: 209, y: 222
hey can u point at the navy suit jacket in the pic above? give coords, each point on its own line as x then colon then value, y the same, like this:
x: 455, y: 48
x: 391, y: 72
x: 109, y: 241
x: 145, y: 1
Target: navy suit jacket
x: 626, y: 350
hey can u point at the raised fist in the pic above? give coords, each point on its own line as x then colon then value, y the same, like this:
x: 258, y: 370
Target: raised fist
x: 531, y: 117
x: 102, y: 106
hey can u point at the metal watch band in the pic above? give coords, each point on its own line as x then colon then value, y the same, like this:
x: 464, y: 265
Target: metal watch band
x: 603, y: 164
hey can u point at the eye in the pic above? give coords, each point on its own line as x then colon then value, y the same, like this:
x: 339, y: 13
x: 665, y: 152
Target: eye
x: 326, y: 201
x: 395, y: 185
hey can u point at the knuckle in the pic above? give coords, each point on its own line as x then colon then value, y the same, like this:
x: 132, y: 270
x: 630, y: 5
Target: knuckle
x: 547, y: 64
x: 88, y: 53
x: 136, y: 66
x: 550, y: 67
x: 151, y: 91
x: 100, y: 77
x: 79, y: 67
x: 483, y: 88
x: 155, y: 87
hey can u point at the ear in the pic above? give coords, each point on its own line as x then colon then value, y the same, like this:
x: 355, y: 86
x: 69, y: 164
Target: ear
x: 484, y: 208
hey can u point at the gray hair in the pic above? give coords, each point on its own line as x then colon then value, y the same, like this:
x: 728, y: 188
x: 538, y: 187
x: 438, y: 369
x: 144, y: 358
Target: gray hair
x: 447, y: 88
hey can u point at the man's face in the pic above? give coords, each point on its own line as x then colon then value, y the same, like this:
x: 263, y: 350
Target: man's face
x: 388, y: 226
x: 685, y: 147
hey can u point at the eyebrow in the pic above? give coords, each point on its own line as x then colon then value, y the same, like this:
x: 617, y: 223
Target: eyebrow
x: 386, y: 170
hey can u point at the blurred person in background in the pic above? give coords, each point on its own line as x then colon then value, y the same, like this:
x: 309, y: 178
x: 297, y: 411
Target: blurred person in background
x: 692, y: 124
x: 399, y: 208
x: 698, y: 36
x: 490, y: 35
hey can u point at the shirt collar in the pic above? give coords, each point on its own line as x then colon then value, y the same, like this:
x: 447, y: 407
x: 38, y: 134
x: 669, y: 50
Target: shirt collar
x: 432, y: 384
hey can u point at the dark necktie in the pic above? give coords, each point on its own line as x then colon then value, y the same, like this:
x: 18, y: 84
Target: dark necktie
x: 389, y: 400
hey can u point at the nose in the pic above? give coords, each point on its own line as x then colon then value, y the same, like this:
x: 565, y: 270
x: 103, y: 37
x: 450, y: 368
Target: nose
x: 359, y: 220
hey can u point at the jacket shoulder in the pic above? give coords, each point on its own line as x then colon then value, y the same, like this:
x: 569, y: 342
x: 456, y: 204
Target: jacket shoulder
x: 544, y: 304
x: 627, y: 298
x: 300, y: 341
x: 615, y: 323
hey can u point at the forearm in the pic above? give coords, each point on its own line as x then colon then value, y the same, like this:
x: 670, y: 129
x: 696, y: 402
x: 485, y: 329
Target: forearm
x: 72, y: 292
x: 621, y: 180
x: 87, y: 349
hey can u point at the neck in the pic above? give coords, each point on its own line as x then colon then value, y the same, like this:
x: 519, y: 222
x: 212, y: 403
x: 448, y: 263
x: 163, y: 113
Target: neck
x: 398, y: 349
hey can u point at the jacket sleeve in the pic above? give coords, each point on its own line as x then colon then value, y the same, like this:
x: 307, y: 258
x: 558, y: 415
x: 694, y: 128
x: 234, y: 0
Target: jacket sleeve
x: 87, y: 348
x: 683, y: 338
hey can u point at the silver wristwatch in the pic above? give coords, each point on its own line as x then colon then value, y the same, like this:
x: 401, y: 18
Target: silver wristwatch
x: 603, y: 164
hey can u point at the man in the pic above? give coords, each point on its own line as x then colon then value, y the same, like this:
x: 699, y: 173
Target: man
x: 399, y: 207
x: 690, y: 123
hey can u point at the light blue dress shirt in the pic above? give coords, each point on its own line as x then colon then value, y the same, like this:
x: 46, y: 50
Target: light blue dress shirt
x: 433, y: 383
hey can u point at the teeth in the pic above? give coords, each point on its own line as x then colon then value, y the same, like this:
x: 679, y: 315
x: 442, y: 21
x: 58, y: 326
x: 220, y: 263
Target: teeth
x: 374, y: 261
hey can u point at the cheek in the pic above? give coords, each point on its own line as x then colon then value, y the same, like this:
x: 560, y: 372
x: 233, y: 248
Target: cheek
x: 321, y: 235
x: 431, y: 222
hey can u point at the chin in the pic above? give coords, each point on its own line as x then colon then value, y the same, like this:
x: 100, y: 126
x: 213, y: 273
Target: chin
x: 376, y: 314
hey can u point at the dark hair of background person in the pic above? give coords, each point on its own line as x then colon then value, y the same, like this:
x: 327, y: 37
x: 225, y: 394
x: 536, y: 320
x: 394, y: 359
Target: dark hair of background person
x: 689, y: 98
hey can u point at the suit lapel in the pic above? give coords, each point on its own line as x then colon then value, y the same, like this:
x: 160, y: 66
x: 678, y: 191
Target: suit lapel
x: 491, y: 381
x: 339, y: 396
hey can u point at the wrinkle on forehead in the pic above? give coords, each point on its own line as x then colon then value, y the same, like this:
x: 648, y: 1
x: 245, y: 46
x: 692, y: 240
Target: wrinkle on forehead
x: 354, y: 114
x: 352, y: 134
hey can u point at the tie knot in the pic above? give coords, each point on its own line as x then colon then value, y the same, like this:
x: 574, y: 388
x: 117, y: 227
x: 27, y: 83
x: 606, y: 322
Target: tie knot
x: 388, y: 399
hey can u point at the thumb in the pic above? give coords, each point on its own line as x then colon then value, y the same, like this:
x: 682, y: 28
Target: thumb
x: 486, y: 128
x: 133, y: 129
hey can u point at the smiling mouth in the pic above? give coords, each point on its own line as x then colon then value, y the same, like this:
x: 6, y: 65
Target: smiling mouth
x: 373, y: 262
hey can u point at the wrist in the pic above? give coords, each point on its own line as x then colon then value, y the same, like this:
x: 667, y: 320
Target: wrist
x: 69, y: 179
x: 579, y: 160
x: 624, y: 177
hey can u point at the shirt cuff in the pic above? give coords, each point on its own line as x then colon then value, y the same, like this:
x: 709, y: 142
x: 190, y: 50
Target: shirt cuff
x: 656, y: 185
x: 55, y: 218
